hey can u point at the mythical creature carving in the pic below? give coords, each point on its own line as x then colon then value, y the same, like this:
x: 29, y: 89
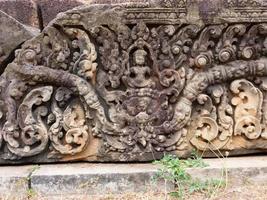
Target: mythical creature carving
x: 94, y: 86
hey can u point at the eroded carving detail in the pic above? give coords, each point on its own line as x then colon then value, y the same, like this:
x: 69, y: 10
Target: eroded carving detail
x: 137, y: 88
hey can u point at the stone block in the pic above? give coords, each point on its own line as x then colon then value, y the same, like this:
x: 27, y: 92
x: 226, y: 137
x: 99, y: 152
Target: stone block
x: 50, y: 9
x: 142, y: 81
x: 12, y: 34
x: 96, y: 179
x: 237, y: 171
x: 28, y: 9
x: 14, y: 181
x: 22, y: 10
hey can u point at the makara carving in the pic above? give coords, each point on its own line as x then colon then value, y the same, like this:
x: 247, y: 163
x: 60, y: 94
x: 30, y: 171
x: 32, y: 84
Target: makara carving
x: 108, y: 83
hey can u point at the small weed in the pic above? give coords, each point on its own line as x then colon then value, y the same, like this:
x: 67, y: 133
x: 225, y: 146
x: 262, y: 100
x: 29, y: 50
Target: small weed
x: 175, y: 170
x: 31, y: 193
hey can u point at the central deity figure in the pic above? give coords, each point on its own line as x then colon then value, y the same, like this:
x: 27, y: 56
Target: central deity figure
x: 140, y: 72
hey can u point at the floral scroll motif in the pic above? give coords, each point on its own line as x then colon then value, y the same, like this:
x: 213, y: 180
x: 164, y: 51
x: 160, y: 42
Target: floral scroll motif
x: 247, y: 113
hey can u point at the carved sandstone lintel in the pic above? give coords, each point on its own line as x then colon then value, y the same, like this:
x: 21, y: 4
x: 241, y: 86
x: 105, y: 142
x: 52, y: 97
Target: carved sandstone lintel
x: 96, y: 85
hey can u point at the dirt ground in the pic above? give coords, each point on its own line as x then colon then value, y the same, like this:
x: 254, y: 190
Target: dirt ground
x: 244, y: 192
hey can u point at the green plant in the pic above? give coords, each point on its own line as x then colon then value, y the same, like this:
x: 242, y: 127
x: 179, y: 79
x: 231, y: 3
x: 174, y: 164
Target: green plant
x: 175, y: 170
x: 31, y: 193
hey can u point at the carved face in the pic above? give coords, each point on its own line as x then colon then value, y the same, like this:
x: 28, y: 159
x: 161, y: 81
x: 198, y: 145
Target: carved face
x: 140, y: 57
x: 136, y: 105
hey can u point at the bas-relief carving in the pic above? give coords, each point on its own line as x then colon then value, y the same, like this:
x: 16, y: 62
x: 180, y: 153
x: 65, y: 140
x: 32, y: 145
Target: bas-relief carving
x: 94, y: 86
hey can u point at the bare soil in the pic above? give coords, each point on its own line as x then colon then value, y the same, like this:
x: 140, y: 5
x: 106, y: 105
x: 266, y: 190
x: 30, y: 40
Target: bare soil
x: 244, y: 192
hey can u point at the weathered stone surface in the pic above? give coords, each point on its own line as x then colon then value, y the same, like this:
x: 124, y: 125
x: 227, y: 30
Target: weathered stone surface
x: 22, y: 10
x: 12, y: 34
x: 14, y: 181
x: 50, y: 9
x: 237, y: 171
x: 28, y: 9
x: 84, y: 179
x: 96, y: 179
x: 133, y: 82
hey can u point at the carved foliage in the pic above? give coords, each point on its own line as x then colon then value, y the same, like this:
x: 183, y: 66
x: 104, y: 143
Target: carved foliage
x: 140, y: 88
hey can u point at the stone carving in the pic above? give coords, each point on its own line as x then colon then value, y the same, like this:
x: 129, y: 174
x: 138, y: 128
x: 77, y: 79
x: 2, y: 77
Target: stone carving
x: 12, y: 35
x: 247, y: 109
x: 99, y: 85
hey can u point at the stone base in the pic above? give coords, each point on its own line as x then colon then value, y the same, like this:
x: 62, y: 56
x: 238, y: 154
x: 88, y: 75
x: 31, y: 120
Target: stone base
x: 96, y: 179
x: 76, y: 179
